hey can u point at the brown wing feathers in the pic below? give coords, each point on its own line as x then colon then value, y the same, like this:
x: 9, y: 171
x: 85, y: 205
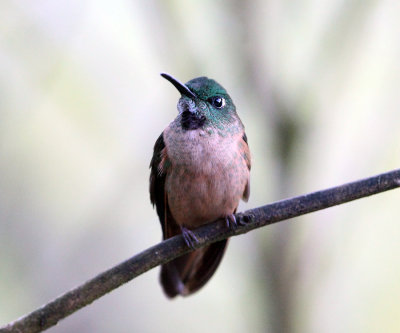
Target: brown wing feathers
x: 157, y: 180
x: 246, y: 155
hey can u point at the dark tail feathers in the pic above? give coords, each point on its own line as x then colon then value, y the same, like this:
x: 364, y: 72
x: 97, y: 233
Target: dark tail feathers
x: 187, y: 274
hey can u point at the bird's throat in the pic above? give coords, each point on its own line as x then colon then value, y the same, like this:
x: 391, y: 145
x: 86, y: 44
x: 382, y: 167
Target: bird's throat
x: 192, y: 121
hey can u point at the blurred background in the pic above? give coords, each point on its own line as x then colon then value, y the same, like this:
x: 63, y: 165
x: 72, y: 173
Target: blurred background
x: 316, y: 84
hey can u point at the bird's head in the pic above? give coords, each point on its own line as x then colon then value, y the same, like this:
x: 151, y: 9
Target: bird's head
x: 204, y: 103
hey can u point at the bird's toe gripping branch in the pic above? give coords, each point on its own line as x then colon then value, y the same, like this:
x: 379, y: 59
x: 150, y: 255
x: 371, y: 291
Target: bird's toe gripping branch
x: 189, y: 238
x: 231, y: 222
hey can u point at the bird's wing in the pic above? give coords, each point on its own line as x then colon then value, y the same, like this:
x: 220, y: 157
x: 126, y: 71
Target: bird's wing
x: 159, y: 167
x: 247, y: 157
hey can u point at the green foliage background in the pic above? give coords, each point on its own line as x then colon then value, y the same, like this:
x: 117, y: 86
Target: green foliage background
x: 81, y: 104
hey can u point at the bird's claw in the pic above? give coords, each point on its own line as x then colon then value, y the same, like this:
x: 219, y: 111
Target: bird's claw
x: 231, y: 221
x: 189, y: 238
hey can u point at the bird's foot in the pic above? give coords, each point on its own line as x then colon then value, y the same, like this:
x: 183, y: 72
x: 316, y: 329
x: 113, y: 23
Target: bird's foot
x: 231, y: 221
x: 189, y: 238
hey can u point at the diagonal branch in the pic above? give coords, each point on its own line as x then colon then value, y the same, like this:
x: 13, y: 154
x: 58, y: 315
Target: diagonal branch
x: 66, y: 304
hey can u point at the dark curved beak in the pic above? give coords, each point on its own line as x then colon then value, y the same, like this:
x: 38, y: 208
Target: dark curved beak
x: 182, y: 88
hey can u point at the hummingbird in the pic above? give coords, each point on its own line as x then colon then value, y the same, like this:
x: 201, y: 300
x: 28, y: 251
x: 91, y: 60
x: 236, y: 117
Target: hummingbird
x: 200, y: 170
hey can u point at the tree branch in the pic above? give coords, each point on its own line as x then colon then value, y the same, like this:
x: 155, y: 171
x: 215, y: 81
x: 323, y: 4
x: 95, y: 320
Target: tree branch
x: 66, y: 304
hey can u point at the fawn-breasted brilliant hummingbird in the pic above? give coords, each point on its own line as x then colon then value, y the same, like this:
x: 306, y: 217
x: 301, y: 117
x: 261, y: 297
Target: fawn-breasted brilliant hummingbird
x: 199, y: 172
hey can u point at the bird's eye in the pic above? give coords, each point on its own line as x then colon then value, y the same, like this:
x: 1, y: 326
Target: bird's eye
x: 218, y: 102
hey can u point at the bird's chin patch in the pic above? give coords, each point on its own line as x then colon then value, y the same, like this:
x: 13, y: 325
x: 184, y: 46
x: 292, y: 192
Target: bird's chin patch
x: 191, y: 121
